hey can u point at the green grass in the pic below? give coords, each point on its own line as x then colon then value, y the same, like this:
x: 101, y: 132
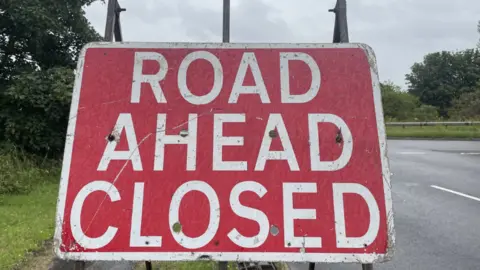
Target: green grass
x: 20, y: 173
x: 25, y: 222
x: 435, y: 132
x: 28, y: 197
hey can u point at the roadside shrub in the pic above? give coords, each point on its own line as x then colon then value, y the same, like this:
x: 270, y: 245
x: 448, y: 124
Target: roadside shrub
x: 20, y: 172
x: 466, y: 107
x: 35, y: 110
x: 397, y: 104
x: 425, y: 113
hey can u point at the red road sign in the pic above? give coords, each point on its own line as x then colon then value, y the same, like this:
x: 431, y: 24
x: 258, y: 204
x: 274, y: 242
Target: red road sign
x: 263, y: 152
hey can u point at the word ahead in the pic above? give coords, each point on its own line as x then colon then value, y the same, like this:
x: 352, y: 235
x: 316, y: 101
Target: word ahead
x: 263, y: 152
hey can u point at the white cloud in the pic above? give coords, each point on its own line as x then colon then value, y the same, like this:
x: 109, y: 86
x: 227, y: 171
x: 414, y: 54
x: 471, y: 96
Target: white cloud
x: 401, y: 32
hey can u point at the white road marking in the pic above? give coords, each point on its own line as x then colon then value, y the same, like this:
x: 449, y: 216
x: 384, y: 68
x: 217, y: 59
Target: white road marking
x: 471, y: 153
x: 411, y: 153
x: 411, y: 184
x: 457, y: 193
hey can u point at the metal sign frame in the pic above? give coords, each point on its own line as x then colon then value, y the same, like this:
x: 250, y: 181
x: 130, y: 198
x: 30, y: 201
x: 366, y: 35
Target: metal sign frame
x: 113, y: 32
x: 112, y: 26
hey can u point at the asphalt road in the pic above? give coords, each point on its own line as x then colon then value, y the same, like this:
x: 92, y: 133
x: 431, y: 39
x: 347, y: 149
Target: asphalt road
x: 436, y: 200
x: 436, y: 193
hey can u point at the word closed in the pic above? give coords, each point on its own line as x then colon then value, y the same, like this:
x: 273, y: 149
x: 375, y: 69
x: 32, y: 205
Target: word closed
x: 263, y: 152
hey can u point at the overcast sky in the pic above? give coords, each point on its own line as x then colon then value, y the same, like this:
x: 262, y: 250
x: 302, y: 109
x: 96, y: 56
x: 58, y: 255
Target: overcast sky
x: 401, y: 32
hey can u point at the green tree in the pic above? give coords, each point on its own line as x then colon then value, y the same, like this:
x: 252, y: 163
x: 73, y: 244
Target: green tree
x: 41, y: 34
x: 36, y: 110
x: 39, y: 44
x: 397, y: 104
x: 425, y: 113
x: 443, y: 77
x: 467, y: 106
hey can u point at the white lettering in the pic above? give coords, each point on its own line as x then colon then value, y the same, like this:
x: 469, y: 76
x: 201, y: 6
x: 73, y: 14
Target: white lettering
x: 152, y: 79
x: 124, y: 121
x: 136, y: 239
x: 249, y: 213
x: 275, y: 121
x: 285, y: 77
x: 290, y: 213
x: 249, y: 61
x: 207, y: 236
x: 190, y: 140
x: 354, y: 242
x: 219, y: 141
x: 76, y: 212
x: 217, y: 79
x: 342, y: 161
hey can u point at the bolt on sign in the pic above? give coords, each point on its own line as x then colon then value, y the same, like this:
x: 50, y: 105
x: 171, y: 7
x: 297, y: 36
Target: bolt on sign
x: 230, y: 152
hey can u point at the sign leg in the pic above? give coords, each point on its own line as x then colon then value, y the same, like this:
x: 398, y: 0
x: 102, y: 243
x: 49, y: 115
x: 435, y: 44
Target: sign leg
x: 148, y: 265
x: 311, y: 266
x: 222, y: 265
x: 226, y: 21
x: 368, y: 266
x: 79, y: 265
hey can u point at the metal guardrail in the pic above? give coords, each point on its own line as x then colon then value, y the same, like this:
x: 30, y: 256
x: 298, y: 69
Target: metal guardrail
x: 448, y: 123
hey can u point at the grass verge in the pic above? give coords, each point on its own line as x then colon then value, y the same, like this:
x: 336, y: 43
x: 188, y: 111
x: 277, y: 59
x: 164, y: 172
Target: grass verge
x: 28, y: 196
x: 25, y: 222
x: 435, y: 132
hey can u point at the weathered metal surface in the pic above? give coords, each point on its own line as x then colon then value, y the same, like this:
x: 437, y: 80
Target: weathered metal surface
x: 117, y: 30
x: 285, y: 141
x: 79, y: 265
x: 447, y: 123
x: 340, y: 30
x: 367, y: 266
x: 226, y: 21
x: 112, y: 24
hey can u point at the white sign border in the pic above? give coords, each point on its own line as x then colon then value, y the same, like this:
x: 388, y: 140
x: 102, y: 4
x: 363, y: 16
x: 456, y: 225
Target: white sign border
x: 225, y: 256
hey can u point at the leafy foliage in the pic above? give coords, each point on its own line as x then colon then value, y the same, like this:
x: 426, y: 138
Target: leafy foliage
x: 36, y: 108
x: 42, y: 34
x: 467, y: 106
x: 444, y: 76
x: 397, y: 104
x: 19, y: 171
x: 39, y: 43
x: 400, y: 105
x: 425, y: 113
